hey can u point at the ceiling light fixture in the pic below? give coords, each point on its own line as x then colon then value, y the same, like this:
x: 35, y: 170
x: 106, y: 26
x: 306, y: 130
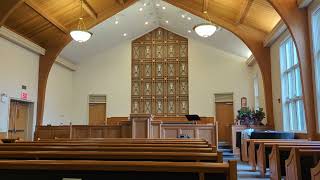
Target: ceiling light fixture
x: 167, y: 21
x: 157, y: 4
x: 81, y: 34
x: 144, y: 4
x: 189, y: 18
x: 124, y: 34
x: 183, y: 16
x: 146, y: 23
x: 189, y: 31
x: 140, y: 9
x: 205, y: 29
x: 116, y: 22
x: 164, y: 8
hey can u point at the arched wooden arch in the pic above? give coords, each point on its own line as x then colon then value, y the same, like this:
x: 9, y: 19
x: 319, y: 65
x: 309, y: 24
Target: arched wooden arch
x: 297, y: 22
x: 295, y: 18
x: 250, y: 36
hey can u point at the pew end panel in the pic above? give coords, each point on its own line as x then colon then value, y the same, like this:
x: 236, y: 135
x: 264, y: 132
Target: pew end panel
x: 315, y: 172
x: 252, y: 156
x: 261, y: 160
x: 293, y: 168
x: 274, y: 163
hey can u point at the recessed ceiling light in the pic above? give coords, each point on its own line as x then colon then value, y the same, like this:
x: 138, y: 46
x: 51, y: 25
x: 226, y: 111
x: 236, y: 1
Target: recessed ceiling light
x: 183, y: 16
x: 157, y: 4
x: 116, y: 22
x: 144, y: 4
x: 164, y: 8
x: 146, y: 23
x: 167, y: 21
x: 140, y: 9
x: 189, y: 18
x: 125, y: 34
x: 189, y: 31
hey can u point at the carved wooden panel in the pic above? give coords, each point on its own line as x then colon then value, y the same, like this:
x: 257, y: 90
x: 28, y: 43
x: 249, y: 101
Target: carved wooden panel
x: 160, y: 74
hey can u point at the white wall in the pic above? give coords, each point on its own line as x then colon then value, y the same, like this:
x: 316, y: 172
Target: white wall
x: 213, y: 71
x: 58, y: 104
x: 276, y: 80
x: 210, y: 71
x: 106, y: 73
x: 18, y: 67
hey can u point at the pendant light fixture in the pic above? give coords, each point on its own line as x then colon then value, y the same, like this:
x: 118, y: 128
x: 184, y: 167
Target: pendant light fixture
x: 81, y: 34
x: 205, y: 29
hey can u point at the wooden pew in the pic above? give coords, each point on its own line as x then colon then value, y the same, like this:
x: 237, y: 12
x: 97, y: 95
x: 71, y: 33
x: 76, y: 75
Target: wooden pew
x: 315, y: 172
x: 265, y: 150
x: 102, y: 148
x: 124, y: 170
x: 109, y: 144
x: 300, y: 162
x: 126, y: 139
x: 100, y: 155
x: 253, y: 146
x: 245, y: 144
x: 277, y: 157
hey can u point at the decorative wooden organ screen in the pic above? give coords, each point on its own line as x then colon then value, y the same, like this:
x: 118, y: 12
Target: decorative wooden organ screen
x: 160, y: 74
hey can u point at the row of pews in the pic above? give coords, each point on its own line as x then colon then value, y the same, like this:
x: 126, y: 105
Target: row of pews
x: 92, y: 159
x: 294, y: 159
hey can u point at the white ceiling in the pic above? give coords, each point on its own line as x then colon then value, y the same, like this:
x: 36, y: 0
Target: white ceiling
x: 132, y: 22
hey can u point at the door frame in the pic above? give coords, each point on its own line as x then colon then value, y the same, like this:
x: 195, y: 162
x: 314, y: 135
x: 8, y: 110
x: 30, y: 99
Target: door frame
x: 30, y: 121
x: 231, y: 94
x: 214, y: 102
x: 88, y: 106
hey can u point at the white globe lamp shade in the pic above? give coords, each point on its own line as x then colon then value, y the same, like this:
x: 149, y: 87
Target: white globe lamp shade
x: 80, y: 35
x: 205, y: 30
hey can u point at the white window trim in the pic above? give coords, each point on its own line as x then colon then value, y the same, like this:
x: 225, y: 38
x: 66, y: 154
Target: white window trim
x: 286, y: 100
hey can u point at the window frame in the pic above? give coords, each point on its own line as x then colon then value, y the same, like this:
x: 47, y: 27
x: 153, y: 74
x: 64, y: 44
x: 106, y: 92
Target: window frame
x: 256, y: 92
x: 296, y: 101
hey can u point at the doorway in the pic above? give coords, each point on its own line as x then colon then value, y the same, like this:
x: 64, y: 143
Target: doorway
x: 97, y: 114
x: 20, y: 120
x: 224, y: 117
x: 97, y: 109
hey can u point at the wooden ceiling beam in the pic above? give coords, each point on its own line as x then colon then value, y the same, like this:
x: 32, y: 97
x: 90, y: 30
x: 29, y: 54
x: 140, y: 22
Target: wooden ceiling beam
x: 89, y: 9
x: 7, y: 8
x: 245, y: 7
x: 46, y: 16
x: 205, y: 5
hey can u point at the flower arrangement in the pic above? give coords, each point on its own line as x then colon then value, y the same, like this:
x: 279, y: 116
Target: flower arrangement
x: 247, y: 116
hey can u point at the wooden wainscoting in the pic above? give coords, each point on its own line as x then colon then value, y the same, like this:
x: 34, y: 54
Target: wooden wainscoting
x: 204, y: 120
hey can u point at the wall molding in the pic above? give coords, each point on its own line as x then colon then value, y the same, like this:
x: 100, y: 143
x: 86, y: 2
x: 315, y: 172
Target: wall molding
x: 21, y: 41
x: 66, y: 63
x: 275, y: 34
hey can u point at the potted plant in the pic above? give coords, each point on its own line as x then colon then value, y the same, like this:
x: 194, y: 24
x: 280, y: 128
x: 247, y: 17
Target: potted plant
x: 247, y: 116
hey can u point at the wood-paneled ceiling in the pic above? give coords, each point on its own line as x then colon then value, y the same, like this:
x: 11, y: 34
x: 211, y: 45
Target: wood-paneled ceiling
x: 45, y: 22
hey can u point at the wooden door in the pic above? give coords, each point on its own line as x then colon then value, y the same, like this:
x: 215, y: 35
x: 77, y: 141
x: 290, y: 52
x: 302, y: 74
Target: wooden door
x: 97, y: 114
x: 225, y: 118
x: 18, y: 119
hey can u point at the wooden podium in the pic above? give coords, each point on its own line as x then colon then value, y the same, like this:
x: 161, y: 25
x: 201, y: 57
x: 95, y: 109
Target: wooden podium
x: 140, y: 125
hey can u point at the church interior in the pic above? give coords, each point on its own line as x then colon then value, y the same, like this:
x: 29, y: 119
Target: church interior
x: 161, y: 89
